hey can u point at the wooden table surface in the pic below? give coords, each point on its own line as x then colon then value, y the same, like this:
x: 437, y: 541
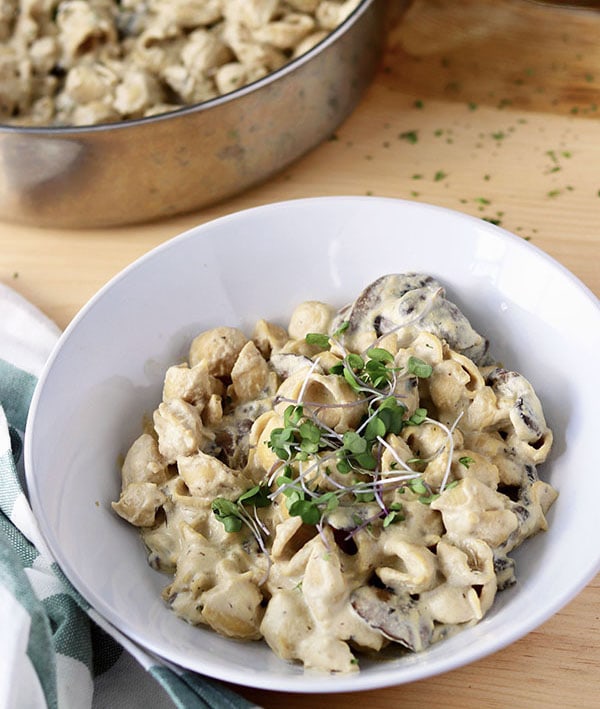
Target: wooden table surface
x: 487, y: 107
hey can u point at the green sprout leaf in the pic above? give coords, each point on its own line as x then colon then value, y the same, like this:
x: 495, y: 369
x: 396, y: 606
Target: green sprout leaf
x: 419, y: 368
x: 257, y: 496
x: 366, y: 460
x: 232, y: 524
x: 318, y: 339
x: 394, y: 515
x: 417, y: 417
x: 224, y: 508
x: 354, y: 443
x: 341, y: 329
x: 228, y: 513
x: 355, y: 362
x: 343, y: 466
x: 418, y: 486
x: 330, y: 500
x: 293, y: 415
x: 380, y: 355
x: 306, y: 510
x: 367, y: 496
x: 375, y: 427
x: 428, y: 499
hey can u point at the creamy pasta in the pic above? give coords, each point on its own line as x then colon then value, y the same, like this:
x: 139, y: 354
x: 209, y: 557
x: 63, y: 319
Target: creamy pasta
x: 82, y: 62
x: 353, y: 482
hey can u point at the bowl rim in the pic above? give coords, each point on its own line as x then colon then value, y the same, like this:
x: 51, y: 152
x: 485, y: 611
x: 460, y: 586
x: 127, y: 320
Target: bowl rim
x: 271, y: 77
x: 360, y: 681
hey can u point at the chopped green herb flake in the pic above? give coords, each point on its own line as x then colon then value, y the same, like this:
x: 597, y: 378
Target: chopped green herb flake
x: 411, y: 136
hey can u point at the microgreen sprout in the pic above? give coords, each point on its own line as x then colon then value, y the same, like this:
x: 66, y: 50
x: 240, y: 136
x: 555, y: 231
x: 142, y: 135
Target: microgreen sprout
x: 318, y: 339
x: 299, y: 438
x: 394, y: 515
x: 419, y: 368
x: 310, y: 450
x: 319, y: 469
x: 234, y: 514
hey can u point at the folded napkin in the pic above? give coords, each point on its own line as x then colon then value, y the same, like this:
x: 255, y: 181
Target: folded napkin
x: 56, y: 651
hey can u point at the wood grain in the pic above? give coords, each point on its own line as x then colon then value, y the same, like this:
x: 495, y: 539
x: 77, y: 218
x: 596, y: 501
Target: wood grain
x: 490, y: 108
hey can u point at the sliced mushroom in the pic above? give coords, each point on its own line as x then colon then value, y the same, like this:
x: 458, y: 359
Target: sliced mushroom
x: 396, y: 616
x: 409, y: 303
x: 531, y: 438
x: 362, y: 313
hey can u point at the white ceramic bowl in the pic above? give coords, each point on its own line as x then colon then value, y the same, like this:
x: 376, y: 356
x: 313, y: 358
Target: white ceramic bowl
x: 107, y: 371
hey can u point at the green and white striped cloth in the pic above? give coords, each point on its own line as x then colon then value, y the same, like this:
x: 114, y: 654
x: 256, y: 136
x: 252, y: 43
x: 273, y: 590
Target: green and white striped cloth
x: 55, y: 652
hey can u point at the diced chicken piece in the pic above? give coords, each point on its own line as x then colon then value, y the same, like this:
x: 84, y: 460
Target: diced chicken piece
x: 233, y: 608
x: 138, y: 504
x: 143, y: 462
x: 180, y: 429
x: 213, y: 411
x: 207, y: 477
x: 192, y: 384
x: 219, y: 348
x: 250, y: 373
x: 268, y: 337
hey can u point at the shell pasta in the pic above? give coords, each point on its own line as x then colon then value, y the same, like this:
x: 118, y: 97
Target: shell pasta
x: 353, y: 482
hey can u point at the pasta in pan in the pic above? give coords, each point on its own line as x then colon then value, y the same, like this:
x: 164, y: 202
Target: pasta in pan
x: 356, y: 481
x: 84, y: 62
